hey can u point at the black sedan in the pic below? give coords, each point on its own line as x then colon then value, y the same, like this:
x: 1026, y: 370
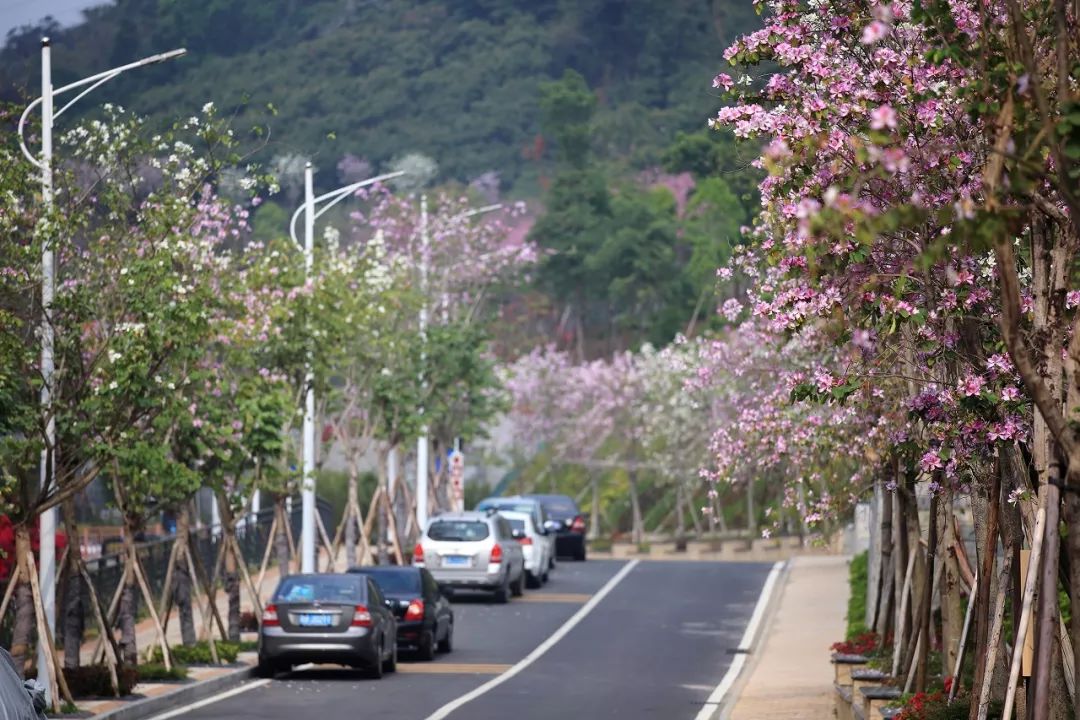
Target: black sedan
x: 425, y: 619
x: 322, y: 618
x: 570, y: 537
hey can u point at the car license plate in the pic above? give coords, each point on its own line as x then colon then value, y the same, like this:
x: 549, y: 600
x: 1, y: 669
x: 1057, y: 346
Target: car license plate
x: 308, y: 620
x: 456, y: 560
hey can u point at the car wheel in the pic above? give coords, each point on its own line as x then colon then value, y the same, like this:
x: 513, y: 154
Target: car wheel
x: 502, y: 593
x: 447, y: 643
x: 532, y: 581
x: 391, y: 664
x: 375, y: 672
x: 267, y: 669
x: 545, y: 577
x: 518, y: 586
x: 426, y: 651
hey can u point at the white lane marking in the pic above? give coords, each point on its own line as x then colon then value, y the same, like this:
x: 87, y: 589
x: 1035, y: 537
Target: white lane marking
x: 222, y: 696
x: 713, y: 703
x: 542, y: 648
x: 211, y: 700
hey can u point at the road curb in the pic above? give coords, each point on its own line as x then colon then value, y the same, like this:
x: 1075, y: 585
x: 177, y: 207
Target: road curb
x: 184, y: 695
x: 727, y: 703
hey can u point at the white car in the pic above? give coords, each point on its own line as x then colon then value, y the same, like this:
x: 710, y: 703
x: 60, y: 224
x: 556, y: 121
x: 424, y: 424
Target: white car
x: 538, y: 546
x: 473, y: 551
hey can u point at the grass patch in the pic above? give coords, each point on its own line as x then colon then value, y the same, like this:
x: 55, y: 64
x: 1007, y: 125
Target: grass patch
x: 601, y: 544
x: 199, y: 653
x: 248, y: 646
x: 858, y: 580
x: 156, y: 672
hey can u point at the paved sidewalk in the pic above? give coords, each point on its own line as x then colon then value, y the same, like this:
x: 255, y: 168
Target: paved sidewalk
x: 792, y: 677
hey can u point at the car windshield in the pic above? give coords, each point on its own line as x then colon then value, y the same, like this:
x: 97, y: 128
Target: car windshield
x: 321, y: 588
x: 393, y: 581
x: 460, y: 530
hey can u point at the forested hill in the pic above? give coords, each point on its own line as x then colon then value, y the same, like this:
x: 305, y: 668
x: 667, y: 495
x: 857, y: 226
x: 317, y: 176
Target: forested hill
x: 453, y: 79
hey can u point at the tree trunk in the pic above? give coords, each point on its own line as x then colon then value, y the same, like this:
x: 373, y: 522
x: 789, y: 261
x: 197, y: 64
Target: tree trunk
x: 986, y: 536
x: 231, y: 575
x: 751, y: 517
x: 927, y: 597
x: 1072, y: 514
x: 380, y: 517
x: 637, y: 534
x: 129, y: 601
x: 281, y: 538
x: 680, y: 519
x: 594, y: 511
x: 25, y: 619
x: 952, y: 606
x: 73, y: 614
x: 182, y: 578
x: 350, y: 517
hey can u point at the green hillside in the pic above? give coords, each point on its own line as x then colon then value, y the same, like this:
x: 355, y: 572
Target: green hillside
x: 454, y: 79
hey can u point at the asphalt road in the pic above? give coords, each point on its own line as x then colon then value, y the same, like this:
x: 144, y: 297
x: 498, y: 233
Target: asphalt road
x: 654, y: 647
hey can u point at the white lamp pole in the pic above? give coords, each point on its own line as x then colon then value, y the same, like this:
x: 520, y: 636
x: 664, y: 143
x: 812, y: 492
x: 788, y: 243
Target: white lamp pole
x: 307, y: 524
x: 422, y: 443
x: 47, y: 551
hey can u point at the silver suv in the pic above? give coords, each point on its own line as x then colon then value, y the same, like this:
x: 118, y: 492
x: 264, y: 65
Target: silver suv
x: 473, y: 551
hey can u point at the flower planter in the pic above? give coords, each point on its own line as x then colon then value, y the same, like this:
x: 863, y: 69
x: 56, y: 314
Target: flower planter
x: 874, y: 699
x: 844, y: 665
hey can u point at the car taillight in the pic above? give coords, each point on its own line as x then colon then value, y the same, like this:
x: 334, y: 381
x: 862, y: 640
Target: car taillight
x: 418, y: 555
x: 361, y: 617
x: 525, y: 540
x: 270, y: 618
x: 415, y: 611
x: 496, y: 554
x: 578, y: 525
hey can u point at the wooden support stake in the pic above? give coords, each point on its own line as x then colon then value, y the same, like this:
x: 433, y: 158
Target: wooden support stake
x: 396, y: 540
x: 901, y: 614
x: 331, y: 564
x: 994, y: 641
x: 111, y: 661
x: 266, y: 556
x: 963, y: 640
x: 9, y: 592
x: 57, y: 681
x: 196, y: 580
x: 1025, y: 614
x: 148, y: 597
x: 256, y: 600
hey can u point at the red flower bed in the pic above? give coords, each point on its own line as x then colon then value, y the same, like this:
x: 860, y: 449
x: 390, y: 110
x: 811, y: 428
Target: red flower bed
x: 858, y: 645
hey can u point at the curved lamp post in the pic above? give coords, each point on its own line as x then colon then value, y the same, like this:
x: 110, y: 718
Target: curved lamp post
x: 332, y: 198
x: 47, y: 569
x: 422, y: 442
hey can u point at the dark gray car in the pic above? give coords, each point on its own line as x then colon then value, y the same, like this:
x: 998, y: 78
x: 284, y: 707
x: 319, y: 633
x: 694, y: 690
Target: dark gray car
x: 328, y: 618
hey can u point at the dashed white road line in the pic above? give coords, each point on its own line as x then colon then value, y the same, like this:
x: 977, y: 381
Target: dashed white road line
x: 542, y: 648
x: 717, y: 697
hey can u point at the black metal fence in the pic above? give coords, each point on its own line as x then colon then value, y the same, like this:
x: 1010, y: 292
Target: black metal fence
x: 252, y: 535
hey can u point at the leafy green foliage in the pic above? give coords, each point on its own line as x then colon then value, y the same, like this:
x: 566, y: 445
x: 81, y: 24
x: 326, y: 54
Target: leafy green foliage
x: 857, y: 582
x: 199, y: 653
x: 156, y: 672
x: 341, y: 74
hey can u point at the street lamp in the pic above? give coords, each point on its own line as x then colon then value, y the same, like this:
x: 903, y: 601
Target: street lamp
x: 332, y: 198
x: 47, y: 547
x: 422, y: 441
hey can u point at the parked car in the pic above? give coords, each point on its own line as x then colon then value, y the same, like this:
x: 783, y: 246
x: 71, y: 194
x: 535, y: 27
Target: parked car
x: 473, y: 550
x: 327, y: 618
x: 570, y: 536
x: 537, y: 544
x: 425, y: 619
x: 547, y: 526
